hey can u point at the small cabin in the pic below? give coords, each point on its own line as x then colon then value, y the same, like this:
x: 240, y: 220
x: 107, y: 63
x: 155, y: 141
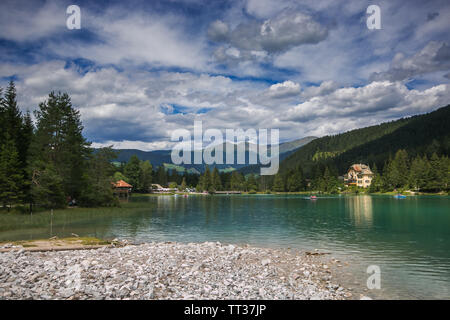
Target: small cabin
x: 121, y: 188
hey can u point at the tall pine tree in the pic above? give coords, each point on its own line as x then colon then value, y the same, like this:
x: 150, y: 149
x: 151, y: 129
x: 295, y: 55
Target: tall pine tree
x: 11, y: 177
x: 59, y: 144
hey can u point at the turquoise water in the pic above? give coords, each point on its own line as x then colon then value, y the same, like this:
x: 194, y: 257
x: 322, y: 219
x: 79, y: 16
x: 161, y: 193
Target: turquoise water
x: 409, y: 239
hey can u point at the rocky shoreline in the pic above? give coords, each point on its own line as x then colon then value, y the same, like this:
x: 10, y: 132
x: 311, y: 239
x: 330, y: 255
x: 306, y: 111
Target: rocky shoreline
x: 169, y: 270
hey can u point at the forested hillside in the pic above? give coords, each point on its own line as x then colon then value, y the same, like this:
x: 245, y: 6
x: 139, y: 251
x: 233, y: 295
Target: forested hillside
x: 419, y: 135
x: 160, y: 157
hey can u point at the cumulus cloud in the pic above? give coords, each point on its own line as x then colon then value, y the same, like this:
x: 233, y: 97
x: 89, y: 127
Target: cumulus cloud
x: 435, y: 56
x: 324, y: 88
x: 22, y: 20
x: 277, y: 95
x: 301, y: 68
x: 106, y: 37
x: 141, y: 109
x: 255, y: 39
x: 379, y: 100
x: 218, y: 31
x: 285, y: 89
x: 133, y: 106
x: 265, y: 8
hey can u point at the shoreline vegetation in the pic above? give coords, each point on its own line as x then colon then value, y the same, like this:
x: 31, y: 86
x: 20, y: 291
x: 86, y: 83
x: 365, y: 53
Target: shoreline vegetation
x: 48, y: 164
x: 171, y: 270
x: 57, y: 244
x: 42, y: 216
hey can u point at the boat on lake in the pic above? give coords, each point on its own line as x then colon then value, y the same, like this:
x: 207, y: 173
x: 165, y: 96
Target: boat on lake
x: 400, y: 196
x: 312, y: 198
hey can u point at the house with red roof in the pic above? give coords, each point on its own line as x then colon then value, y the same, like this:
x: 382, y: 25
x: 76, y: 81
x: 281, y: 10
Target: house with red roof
x: 358, y: 175
x: 122, y: 188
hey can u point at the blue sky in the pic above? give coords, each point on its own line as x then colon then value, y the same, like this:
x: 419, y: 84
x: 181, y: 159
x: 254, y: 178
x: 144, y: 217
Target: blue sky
x: 138, y: 70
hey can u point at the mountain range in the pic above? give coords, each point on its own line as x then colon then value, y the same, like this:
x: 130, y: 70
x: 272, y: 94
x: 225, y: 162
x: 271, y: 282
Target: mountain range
x: 421, y: 134
x: 163, y: 157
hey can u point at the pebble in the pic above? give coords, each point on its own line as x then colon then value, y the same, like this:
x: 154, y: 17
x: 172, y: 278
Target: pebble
x: 166, y: 270
x: 265, y: 262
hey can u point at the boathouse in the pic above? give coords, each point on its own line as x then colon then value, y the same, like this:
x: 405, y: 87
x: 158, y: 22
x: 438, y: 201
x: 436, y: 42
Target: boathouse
x: 122, y: 189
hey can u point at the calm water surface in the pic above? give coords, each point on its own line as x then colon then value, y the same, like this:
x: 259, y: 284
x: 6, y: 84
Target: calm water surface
x: 408, y: 239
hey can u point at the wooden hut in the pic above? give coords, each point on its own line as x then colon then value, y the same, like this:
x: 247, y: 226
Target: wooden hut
x: 122, y: 189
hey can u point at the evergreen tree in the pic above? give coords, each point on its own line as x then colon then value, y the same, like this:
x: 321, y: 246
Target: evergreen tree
x: 419, y: 173
x: 59, y: 142
x: 446, y: 169
x: 377, y: 182
x: 264, y: 182
x: 25, y: 141
x: 98, y: 191
x: 251, y: 184
x: 236, y: 181
x: 437, y: 174
x: 47, y: 186
x: 329, y: 182
x: 119, y: 176
x: 401, y: 163
x: 11, y: 177
x: 295, y: 181
x: 216, y: 183
x: 318, y: 182
x: 207, y: 181
x: 132, y: 172
x: 161, y: 176
x: 12, y: 117
x: 396, y: 173
x: 19, y: 129
x: 145, y: 175
x: 278, y: 183
x: 183, y: 185
x: 2, y: 118
x: 201, y: 184
x: 387, y: 168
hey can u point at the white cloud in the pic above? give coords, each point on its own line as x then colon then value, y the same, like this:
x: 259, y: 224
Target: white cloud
x: 435, y: 56
x: 325, y: 87
x: 285, y: 89
x: 255, y: 40
x: 375, y: 101
x: 218, y: 31
x: 141, y: 109
x: 22, y: 20
x: 296, y: 44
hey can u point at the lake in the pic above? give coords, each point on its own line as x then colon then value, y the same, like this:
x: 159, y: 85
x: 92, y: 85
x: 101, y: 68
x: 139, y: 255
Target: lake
x: 409, y: 239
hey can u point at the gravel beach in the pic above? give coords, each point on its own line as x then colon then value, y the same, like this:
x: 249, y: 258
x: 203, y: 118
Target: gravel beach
x: 169, y: 270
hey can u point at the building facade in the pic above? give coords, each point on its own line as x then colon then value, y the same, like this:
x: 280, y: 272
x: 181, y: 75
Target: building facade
x: 358, y: 175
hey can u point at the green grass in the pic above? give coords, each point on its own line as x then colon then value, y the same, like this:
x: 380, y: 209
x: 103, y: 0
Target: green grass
x: 179, y: 169
x: 86, y: 241
x: 15, y: 220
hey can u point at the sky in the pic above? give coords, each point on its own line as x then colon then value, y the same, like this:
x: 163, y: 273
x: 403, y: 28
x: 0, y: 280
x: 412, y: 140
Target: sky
x: 137, y: 70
